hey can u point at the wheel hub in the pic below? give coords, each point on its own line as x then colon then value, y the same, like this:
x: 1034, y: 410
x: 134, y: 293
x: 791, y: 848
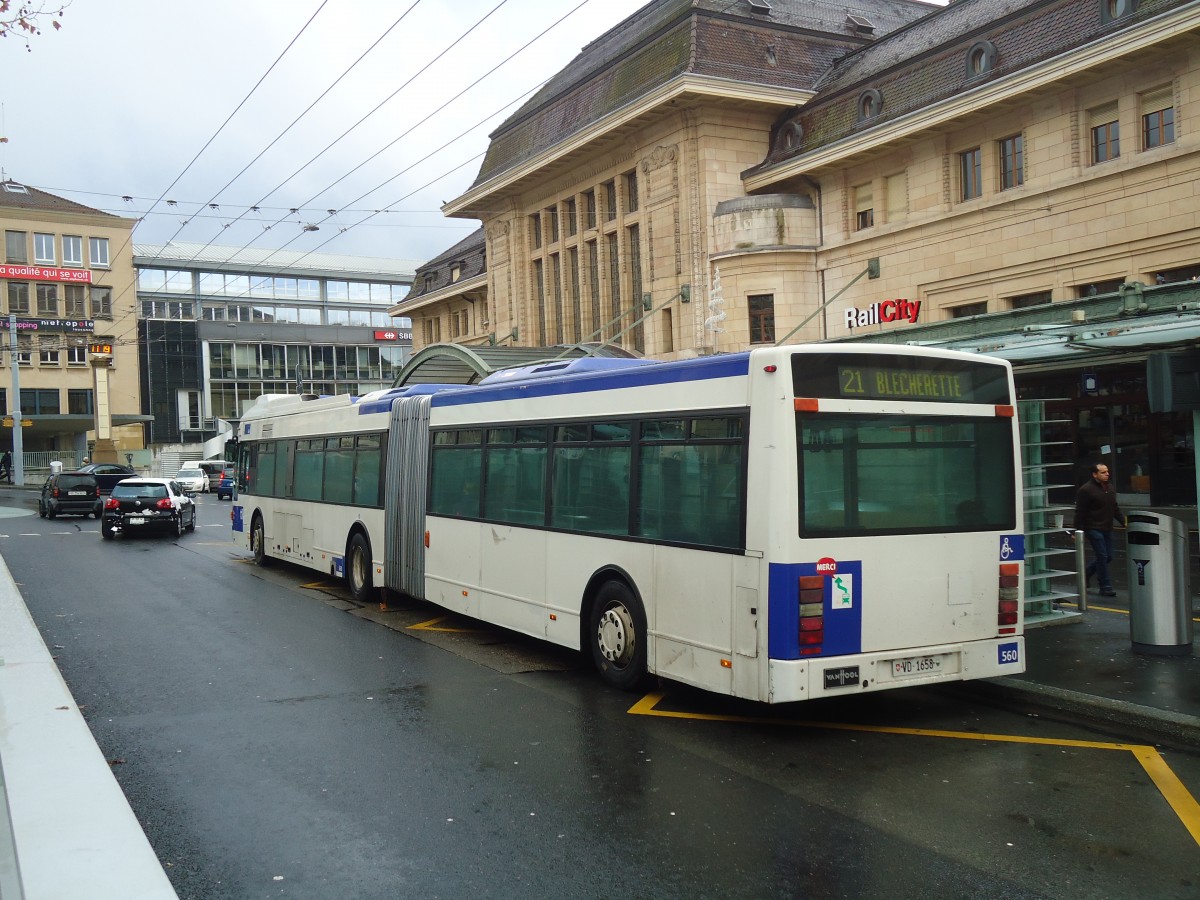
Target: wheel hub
x: 614, y: 635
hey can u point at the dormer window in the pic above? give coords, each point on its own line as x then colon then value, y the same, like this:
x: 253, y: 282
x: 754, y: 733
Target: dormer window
x: 790, y: 136
x: 859, y: 24
x: 870, y: 103
x: 1114, y: 10
x: 981, y: 58
x: 455, y: 272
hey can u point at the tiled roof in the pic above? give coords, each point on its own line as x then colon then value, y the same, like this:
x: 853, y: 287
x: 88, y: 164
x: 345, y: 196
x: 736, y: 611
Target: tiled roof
x: 434, y: 275
x: 667, y: 38
x: 252, y: 260
x: 926, y: 62
x: 19, y: 196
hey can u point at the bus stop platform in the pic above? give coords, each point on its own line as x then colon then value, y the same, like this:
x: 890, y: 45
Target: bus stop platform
x: 66, y: 830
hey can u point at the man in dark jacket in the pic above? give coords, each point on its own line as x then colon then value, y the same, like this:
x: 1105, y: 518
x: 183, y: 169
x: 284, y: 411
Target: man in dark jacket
x: 1095, y: 511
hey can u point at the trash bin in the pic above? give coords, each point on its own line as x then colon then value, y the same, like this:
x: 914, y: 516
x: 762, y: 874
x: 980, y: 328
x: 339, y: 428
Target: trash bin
x: 55, y: 466
x: 1160, y: 596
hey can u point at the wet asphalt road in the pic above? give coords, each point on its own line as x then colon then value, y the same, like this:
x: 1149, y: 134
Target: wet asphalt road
x: 276, y: 742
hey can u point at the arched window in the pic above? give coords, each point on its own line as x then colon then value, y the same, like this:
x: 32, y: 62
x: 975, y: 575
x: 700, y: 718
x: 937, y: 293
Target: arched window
x: 870, y: 103
x: 790, y: 136
x: 981, y: 58
x: 1112, y: 10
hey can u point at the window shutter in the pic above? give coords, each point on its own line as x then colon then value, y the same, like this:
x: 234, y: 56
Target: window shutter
x: 1157, y: 100
x: 1102, y: 115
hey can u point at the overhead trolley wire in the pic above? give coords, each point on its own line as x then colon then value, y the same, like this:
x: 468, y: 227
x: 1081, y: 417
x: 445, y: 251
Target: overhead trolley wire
x: 437, y: 150
x: 372, y: 112
x: 293, y: 124
x: 388, y: 208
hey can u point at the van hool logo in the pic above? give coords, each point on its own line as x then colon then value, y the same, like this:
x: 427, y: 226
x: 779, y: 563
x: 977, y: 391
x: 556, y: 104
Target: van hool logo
x: 883, y: 311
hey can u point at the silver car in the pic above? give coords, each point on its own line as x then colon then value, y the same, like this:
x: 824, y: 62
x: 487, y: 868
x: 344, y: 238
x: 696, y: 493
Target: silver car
x: 193, y: 481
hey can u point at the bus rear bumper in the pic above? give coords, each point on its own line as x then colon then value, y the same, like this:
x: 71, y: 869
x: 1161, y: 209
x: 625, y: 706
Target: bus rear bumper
x: 837, y: 676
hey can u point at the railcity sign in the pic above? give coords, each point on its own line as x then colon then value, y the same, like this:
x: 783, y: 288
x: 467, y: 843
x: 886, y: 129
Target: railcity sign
x: 883, y: 311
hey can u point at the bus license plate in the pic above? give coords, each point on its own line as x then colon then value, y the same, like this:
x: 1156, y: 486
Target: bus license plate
x: 916, y: 665
x: 136, y: 520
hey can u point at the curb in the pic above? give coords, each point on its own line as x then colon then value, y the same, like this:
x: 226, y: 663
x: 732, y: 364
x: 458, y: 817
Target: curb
x: 1139, y: 723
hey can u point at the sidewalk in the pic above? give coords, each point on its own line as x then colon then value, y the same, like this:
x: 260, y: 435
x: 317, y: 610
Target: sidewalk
x: 1085, y: 669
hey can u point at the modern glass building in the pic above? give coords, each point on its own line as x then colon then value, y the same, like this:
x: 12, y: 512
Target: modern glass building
x: 220, y: 326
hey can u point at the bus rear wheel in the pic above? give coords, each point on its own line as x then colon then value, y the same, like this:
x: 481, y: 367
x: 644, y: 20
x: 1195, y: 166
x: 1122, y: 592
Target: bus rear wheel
x: 358, y: 569
x: 258, y: 542
x: 618, y: 636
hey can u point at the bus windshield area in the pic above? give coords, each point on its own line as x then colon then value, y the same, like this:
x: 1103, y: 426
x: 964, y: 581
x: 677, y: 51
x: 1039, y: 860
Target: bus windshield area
x: 896, y: 474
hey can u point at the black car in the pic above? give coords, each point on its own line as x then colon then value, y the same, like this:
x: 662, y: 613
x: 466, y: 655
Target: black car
x: 108, y: 474
x: 70, y: 494
x: 147, y: 504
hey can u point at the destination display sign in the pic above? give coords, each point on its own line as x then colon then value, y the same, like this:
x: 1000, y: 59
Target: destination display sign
x: 862, y: 376
x: 898, y: 384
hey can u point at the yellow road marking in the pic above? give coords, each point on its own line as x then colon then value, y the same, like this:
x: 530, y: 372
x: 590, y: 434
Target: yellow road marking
x: 432, y: 625
x: 1177, y: 796
x: 321, y: 585
x: 1109, y: 609
x: 1169, y: 785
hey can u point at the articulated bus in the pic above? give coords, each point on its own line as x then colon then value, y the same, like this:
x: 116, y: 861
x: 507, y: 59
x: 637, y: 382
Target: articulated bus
x: 783, y: 524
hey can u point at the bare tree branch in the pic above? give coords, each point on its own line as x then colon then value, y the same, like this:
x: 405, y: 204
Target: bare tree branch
x: 23, y: 19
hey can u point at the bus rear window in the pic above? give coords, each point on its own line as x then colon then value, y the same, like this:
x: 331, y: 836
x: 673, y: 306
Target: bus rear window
x: 864, y: 474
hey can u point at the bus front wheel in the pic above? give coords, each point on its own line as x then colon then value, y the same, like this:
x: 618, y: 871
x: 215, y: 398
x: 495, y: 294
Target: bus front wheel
x: 258, y: 542
x: 618, y: 636
x: 358, y: 569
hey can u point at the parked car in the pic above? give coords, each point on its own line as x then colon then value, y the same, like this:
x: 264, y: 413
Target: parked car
x: 147, y: 504
x: 107, y: 474
x: 71, y: 494
x: 225, y: 487
x: 193, y: 480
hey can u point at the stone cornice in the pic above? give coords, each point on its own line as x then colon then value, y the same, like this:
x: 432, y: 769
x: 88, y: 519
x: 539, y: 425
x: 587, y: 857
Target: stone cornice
x: 1174, y: 24
x: 404, y: 307
x: 691, y: 85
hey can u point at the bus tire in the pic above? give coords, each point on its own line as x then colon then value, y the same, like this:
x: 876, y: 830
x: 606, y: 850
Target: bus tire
x: 358, y: 569
x: 258, y: 542
x: 617, y: 635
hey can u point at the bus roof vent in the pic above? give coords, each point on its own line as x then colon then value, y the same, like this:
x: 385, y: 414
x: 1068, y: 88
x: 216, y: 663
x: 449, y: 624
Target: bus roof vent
x: 583, y: 365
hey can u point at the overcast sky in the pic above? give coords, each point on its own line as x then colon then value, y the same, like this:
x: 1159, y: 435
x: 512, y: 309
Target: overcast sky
x: 120, y: 101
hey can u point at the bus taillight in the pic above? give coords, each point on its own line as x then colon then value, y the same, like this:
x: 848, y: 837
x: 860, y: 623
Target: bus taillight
x: 812, y: 614
x: 1009, y: 598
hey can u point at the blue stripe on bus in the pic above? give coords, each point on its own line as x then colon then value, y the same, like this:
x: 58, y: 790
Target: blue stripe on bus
x: 726, y: 366
x: 842, y: 616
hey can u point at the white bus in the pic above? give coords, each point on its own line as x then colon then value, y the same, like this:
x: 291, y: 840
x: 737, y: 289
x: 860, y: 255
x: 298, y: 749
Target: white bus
x: 782, y: 524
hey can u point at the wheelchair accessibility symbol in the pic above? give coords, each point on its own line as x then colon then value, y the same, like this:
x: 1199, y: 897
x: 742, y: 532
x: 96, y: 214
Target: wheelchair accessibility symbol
x: 1012, y: 547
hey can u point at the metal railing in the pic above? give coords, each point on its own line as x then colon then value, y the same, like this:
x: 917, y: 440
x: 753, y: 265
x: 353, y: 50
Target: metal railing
x: 38, y: 461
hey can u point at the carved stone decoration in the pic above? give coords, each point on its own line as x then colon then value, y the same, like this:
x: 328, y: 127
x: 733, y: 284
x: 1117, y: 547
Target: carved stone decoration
x: 660, y: 156
x: 497, y: 247
x: 660, y: 173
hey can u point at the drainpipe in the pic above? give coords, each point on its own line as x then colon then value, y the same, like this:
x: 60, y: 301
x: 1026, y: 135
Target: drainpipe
x: 816, y: 189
